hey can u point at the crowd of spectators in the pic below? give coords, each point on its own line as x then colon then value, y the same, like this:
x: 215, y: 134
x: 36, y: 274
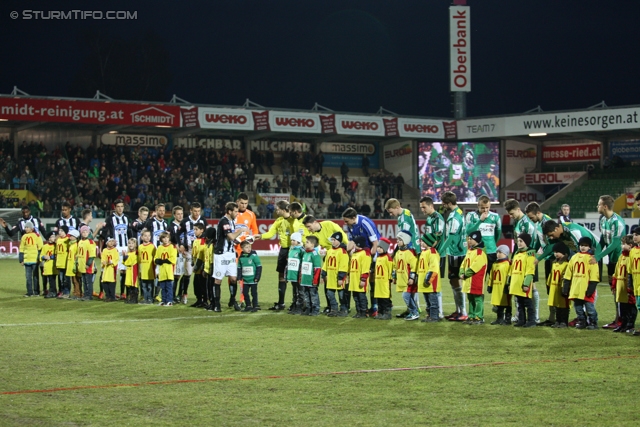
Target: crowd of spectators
x: 93, y: 177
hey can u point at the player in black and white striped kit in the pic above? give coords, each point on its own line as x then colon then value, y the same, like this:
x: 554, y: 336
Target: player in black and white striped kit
x: 156, y: 224
x: 67, y: 219
x: 117, y: 227
x: 175, y: 231
x: 38, y: 227
x: 224, y: 258
x: 186, y: 240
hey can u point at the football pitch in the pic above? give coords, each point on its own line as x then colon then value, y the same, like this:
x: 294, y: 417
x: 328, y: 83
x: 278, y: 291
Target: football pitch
x: 68, y: 363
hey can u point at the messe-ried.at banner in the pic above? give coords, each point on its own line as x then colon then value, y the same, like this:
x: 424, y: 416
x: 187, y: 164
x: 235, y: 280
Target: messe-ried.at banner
x: 572, y: 153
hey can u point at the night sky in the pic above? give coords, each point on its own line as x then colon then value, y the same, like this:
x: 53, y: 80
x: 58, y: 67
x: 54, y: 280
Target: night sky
x: 346, y: 55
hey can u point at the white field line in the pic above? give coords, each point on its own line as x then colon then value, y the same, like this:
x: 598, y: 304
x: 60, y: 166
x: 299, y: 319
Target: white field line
x: 212, y: 316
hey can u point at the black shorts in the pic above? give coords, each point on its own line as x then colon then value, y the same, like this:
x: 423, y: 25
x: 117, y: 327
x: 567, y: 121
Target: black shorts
x: 454, y: 266
x: 283, y: 257
x: 443, y: 266
x: 491, y: 259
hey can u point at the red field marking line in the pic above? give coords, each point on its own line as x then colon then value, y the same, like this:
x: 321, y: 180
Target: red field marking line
x: 317, y: 374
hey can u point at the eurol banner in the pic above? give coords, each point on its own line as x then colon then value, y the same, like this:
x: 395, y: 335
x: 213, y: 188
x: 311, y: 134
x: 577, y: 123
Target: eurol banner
x: 350, y: 153
x: 627, y: 150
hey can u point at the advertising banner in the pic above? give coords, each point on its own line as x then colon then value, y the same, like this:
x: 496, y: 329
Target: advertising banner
x: 552, y: 178
x: 460, y: 48
x: 626, y: 150
x: 13, y: 197
x: 390, y: 126
x: 525, y: 196
x: 417, y: 128
x: 359, y: 125
x: 225, y: 118
x: 89, y: 112
x: 578, y: 121
x: 521, y: 158
x: 274, y: 197
x: 134, y: 140
x: 204, y: 142
x: 398, y: 158
x: 189, y: 117
x: 481, y: 128
x: 335, y: 153
x: 572, y: 153
x: 284, y: 121
x: 269, y: 145
x: 260, y: 120
x: 328, y: 123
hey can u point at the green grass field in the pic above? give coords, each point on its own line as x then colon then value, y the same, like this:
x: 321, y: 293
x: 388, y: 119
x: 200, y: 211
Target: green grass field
x: 90, y: 363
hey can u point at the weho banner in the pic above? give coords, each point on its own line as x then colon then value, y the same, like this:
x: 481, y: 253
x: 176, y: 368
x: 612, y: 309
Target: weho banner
x: 225, y: 118
x: 89, y: 112
x: 359, y: 125
x: 584, y: 152
x: 421, y: 128
x: 283, y: 121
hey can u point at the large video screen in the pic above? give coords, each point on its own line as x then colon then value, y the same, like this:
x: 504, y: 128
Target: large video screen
x: 468, y: 169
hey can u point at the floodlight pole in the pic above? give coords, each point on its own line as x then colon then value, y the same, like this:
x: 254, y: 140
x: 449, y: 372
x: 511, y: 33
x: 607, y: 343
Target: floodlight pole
x: 17, y: 91
x: 459, y: 97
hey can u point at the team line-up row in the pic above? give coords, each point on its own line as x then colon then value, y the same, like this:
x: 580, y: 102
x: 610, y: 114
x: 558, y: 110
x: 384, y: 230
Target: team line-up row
x: 412, y: 273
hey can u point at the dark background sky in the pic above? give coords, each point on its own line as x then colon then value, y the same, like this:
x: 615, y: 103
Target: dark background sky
x: 346, y: 55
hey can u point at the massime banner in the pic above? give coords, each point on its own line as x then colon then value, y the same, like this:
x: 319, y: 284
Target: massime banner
x: 350, y: 153
x: 133, y: 140
x: 89, y: 112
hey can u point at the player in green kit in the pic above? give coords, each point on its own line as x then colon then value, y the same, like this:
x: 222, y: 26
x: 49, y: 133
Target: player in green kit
x: 612, y: 227
x: 539, y: 242
x: 434, y: 225
x: 521, y: 225
x: 568, y: 233
x: 490, y: 226
x: 453, y: 247
x: 406, y: 222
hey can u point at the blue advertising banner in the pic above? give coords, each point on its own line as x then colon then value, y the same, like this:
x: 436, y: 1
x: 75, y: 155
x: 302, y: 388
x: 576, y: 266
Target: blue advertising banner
x: 350, y: 153
x: 626, y: 150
